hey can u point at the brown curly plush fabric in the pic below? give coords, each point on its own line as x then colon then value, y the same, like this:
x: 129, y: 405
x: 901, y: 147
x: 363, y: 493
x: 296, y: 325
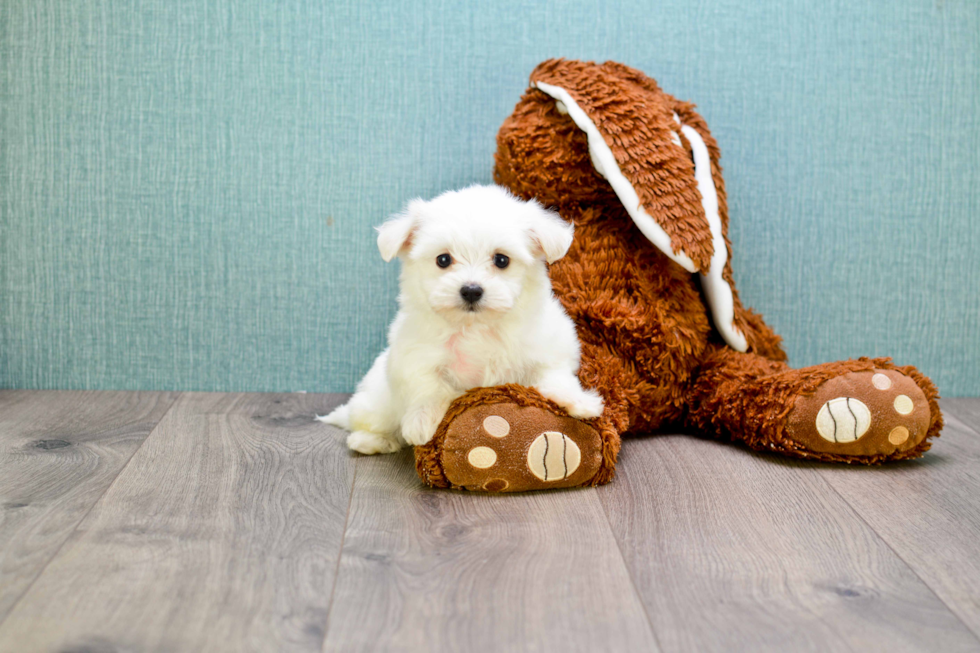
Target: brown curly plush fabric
x: 662, y: 176
x: 648, y: 341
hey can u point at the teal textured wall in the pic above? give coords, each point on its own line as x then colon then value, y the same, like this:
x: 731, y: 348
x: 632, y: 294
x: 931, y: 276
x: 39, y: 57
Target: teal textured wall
x: 188, y: 188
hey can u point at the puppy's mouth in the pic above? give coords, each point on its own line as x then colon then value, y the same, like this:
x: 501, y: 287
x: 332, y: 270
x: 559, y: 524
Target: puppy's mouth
x: 468, y: 313
x: 475, y: 310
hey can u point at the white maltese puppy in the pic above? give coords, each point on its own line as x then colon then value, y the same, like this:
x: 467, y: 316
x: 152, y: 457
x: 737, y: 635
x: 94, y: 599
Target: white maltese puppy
x: 475, y: 309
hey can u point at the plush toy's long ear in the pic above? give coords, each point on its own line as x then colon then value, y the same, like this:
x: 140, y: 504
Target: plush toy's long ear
x: 659, y: 168
x: 549, y: 234
x: 395, y: 235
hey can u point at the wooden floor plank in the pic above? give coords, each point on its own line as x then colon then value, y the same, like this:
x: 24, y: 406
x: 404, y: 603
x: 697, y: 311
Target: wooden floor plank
x: 222, y: 534
x: 928, y: 511
x: 967, y: 410
x: 59, y: 452
x: 732, y: 550
x: 437, y: 570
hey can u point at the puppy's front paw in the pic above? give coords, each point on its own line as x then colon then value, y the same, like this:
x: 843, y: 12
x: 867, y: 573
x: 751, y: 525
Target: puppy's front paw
x: 420, y: 424
x: 584, y: 405
x: 371, y: 443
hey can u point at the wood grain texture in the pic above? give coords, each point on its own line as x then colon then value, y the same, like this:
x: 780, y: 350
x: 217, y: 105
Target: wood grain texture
x: 928, y: 511
x: 59, y: 452
x: 222, y: 534
x: 966, y: 409
x: 438, y: 570
x: 224, y: 531
x: 732, y: 550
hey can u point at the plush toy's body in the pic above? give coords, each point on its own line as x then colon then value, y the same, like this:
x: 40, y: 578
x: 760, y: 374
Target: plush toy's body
x: 648, y: 282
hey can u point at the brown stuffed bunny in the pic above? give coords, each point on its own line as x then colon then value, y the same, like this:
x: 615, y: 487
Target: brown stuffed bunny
x: 648, y: 281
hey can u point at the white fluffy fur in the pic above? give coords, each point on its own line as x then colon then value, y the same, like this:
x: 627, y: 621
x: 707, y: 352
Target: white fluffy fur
x: 438, y: 346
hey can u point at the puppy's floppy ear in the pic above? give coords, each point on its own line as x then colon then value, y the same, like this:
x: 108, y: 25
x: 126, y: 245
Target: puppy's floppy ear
x: 395, y: 235
x: 550, y: 235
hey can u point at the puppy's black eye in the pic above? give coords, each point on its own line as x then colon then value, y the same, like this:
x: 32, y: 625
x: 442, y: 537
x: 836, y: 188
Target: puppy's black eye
x: 444, y: 260
x: 501, y: 260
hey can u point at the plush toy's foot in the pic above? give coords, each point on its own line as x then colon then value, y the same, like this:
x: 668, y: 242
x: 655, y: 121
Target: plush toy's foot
x: 509, y: 448
x: 512, y: 446
x: 880, y: 414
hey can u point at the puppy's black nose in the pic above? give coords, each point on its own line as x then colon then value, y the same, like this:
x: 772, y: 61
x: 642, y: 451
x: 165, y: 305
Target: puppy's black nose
x: 471, y: 293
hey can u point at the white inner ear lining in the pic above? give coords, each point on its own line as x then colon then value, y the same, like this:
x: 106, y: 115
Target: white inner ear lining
x: 718, y: 293
x: 716, y: 289
x: 601, y: 153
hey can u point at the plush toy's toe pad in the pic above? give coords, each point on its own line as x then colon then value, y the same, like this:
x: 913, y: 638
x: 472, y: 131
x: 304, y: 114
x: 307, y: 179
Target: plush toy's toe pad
x: 862, y: 414
x: 509, y: 448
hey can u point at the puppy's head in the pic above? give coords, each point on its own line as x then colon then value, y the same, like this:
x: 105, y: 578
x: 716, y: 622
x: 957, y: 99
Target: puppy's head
x: 472, y: 254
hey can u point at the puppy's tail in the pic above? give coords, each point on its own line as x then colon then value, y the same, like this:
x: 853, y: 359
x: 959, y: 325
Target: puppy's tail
x: 339, y: 416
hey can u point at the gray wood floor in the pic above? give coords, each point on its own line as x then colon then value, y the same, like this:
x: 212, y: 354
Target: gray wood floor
x: 235, y: 522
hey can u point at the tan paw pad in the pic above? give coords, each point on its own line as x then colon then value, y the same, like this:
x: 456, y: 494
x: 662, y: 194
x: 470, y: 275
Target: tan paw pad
x: 496, y: 426
x: 553, y: 456
x: 482, y: 457
x: 881, y: 381
x: 903, y: 405
x: 898, y: 435
x: 844, y: 419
